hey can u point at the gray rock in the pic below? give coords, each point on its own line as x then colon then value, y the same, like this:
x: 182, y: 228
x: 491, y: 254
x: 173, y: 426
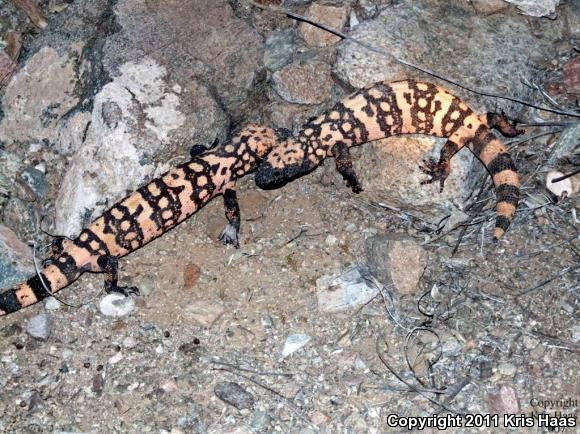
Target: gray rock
x: 23, y: 217
x: 9, y: 166
x: 38, y: 96
x: 234, y: 395
x: 304, y: 83
x: 567, y: 144
x: 15, y: 259
x: 294, y: 342
x: 433, y: 33
x: 35, y: 180
x: 279, y: 49
x: 199, y: 39
x: 396, y: 260
x: 40, y: 326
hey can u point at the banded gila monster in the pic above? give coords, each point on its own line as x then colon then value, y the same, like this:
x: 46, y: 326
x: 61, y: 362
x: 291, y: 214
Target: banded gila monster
x: 148, y: 213
x: 401, y: 107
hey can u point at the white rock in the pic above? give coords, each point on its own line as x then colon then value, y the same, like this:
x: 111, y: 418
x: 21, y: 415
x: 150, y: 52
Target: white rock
x: 116, y: 305
x: 40, y: 326
x: 294, y: 343
x: 536, y: 8
x: 567, y: 187
x: 346, y: 291
x: 116, y: 358
x: 51, y: 303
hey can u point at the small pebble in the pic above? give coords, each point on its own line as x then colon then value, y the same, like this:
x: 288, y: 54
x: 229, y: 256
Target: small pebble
x: 116, y: 305
x: 331, y: 240
x: 51, y: 303
x: 294, y: 343
x: 129, y: 342
x: 507, y: 369
x: 235, y: 395
x: 40, y: 326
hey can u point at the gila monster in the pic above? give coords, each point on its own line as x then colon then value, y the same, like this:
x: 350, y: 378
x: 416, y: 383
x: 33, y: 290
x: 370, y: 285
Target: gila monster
x: 401, y: 107
x: 146, y: 214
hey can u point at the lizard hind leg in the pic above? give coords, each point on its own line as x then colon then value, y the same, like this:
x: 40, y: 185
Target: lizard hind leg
x: 439, y: 170
x: 110, y: 266
x: 501, y: 123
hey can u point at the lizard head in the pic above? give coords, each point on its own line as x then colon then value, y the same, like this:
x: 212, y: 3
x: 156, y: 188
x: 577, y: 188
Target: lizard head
x: 287, y: 160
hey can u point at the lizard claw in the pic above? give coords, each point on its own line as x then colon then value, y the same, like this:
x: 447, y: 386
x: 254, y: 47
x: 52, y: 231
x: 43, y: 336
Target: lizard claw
x: 230, y: 236
x: 437, y: 170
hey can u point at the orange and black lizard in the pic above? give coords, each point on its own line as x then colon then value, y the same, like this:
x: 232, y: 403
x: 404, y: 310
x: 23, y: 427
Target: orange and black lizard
x: 148, y: 213
x: 401, y: 107
x: 373, y: 113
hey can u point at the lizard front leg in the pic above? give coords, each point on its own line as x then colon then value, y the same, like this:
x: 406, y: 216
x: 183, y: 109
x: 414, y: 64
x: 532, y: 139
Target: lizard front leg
x: 343, y: 162
x: 230, y: 233
x: 110, y: 266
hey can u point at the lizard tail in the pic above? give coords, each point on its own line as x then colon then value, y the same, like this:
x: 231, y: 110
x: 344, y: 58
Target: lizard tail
x: 50, y: 280
x: 496, y: 158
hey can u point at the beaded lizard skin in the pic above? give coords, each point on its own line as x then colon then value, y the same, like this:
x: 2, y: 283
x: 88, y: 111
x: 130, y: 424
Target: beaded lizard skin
x: 402, y: 107
x: 148, y: 213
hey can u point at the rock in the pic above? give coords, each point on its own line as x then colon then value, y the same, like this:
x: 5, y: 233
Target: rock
x: 568, y: 187
x: 146, y: 285
x: 389, y: 172
x: 116, y: 305
x: 7, y: 68
x: 396, y: 260
x: 130, y: 342
x: 169, y: 385
x: 234, y: 395
x: 488, y: 7
x: 35, y: 181
x: 279, y: 49
x: 36, y: 402
x: 201, y: 40
x: 304, y: 83
x: 501, y: 46
x: 576, y: 334
x: 51, y: 303
x: 10, y: 165
x: 133, y: 119
x: 191, y: 274
x: 502, y: 399
x: 331, y: 16
x: 40, y: 326
x: 536, y: 8
x: 23, y: 217
x: 365, y: 9
x: 348, y: 290
x: 294, y: 342
x: 572, y: 75
x: 38, y: 96
x: 205, y: 314
x: 507, y: 369
x: 568, y: 144
x: 260, y: 420
x: 15, y: 259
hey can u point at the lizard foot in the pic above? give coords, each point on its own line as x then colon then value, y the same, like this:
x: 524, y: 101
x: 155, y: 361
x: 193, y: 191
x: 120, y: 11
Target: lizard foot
x: 125, y: 290
x: 437, y: 170
x: 230, y: 236
x: 354, y: 185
